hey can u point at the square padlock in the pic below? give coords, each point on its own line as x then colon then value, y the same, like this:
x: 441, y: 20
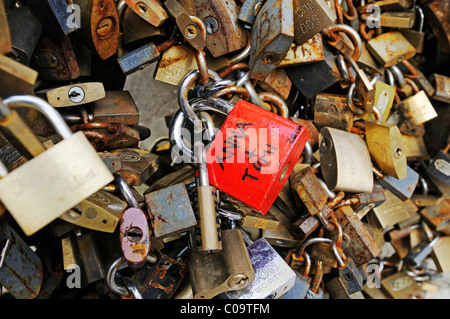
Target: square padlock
x: 254, y: 153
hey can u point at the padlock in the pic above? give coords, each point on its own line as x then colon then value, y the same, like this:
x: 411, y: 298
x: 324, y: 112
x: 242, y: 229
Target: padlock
x: 302, y: 281
x: 363, y: 248
x: 402, y: 188
x: 400, y: 286
x: 21, y: 269
x: 73, y: 94
x: 137, y: 165
x: 439, y: 254
x: 271, y: 37
x: 25, y: 29
x: 419, y: 78
x: 170, y: 211
x: 416, y: 110
x: 5, y: 37
x: 365, y: 93
x: 392, y: 211
x: 331, y: 110
x: 415, y: 148
x: 363, y: 201
x: 187, y: 25
x: 273, y: 276
x: 398, y: 19
x: 280, y: 238
x: 315, y: 291
x: 87, y: 175
x: 437, y: 215
x: 91, y: 252
x: 223, y: 32
x: 307, y: 186
x: 310, y: 17
x: 136, y: 29
x: 134, y: 228
x: 233, y: 170
x: 221, y: 271
x: 309, y: 52
x: 55, y: 59
x: 175, y: 63
x: 249, y: 10
x: 368, y: 63
x: 149, y: 10
x: 390, y: 48
x: 161, y: 280
x: 442, y: 85
x: 435, y: 13
x: 416, y: 37
x: 440, y: 166
x: 55, y: 15
x: 384, y: 100
x: 116, y: 107
x: 338, y: 153
x: 386, y: 148
x: 99, y: 26
x: 277, y: 82
x: 418, y: 253
x: 142, y: 56
x: 18, y: 133
x: 312, y: 79
x: 101, y: 212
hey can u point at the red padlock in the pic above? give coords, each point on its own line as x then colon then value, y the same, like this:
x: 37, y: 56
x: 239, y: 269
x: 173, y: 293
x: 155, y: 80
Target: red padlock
x: 253, y: 154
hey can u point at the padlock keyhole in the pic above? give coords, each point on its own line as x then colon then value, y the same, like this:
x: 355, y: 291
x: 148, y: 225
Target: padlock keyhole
x: 134, y: 234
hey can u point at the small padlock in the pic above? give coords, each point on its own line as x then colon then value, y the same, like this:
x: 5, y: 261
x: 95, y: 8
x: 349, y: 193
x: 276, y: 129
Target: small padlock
x: 116, y: 107
x: 442, y: 85
x: 402, y: 188
x: 332, y: 110
x: 249, y: 10
x: 309, y: 52
x: 170, y: 211
x: 74, y: 94
x: 134, y: 229
x: 400, y: 286
x: 81, y: 176
x: 271, y: 38
x: 398, y: 19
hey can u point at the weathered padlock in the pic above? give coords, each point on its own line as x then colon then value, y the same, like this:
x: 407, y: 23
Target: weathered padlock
x: 442, y: 85
x: 249, y: 10
x: 56, y: 59
x: 440, y: 166
x: 221, y: 271
x: 331, y: 110
x: 311, y: 17
x: 254, y: 171
x: 161, y: 280
x: 16, y: 77
x: 439, y: 254
x: 419, y: 78
x: 25, y: 30
x: 416, y: 37
x: 398, y: 19
x: 386, y: 148
x: 134, y: 230
x: 149, y: 10
x: 315, y: 291
x: 116, y: 107
x: 302, y: 281
x: 137, y: 165
x: 170, y: 211
x: 402, y: 188
x: 391, y: 48
x: 5, y: 37
x: 70, y: 178
x: 136, y: 29
x: 271, y: 38
x: 345, y: 161
x: 21, y: 269
x: 101, y: 211
x: 223, y: 32
x: 99, y: 26
x: 400, y: 286
x: 309, y: 52
x: 435, y: 13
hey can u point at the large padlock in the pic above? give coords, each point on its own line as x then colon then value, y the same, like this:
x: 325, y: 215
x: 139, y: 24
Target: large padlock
x: 254, y: 153
x: 71, y: 171
x: 391, y: 48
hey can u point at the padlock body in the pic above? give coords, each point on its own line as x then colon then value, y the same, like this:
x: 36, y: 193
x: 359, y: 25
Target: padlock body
x: 253, y: 155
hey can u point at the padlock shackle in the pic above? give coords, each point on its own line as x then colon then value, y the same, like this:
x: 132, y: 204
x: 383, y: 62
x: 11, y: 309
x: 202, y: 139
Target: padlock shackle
x: 353, y: 35
x: 38, y: 104
x: 125, y: 190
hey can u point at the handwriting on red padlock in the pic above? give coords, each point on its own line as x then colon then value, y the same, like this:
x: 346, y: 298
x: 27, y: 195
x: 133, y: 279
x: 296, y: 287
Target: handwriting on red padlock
x: 253, y: 154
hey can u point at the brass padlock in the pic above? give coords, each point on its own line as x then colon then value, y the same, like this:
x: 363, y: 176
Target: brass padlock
x: 416, y: 110
x: 277, y: 82
x: 5, y: 37
x: 149, y: 10
x: 386, y: 148
x: 391, y: 48
x: 136, y: 29
x: 442, y: 85
x: 74, y: 94
x: 400, y: 286
x: 309, y: 52
x: 332, y: 110
x: 398, y: 19
x: 439, y: 254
